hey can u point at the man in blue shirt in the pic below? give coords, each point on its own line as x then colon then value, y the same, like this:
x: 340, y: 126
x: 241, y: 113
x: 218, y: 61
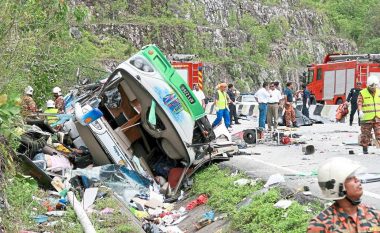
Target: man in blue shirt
x: 305, y: 100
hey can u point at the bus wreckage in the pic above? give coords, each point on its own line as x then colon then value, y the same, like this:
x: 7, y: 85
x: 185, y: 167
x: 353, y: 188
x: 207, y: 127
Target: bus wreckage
x: 143, y: 118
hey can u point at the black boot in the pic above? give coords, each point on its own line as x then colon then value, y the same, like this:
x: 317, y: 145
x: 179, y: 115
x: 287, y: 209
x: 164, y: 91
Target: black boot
x: 350, y: 123
x: 295, y: 125
x: 365, y: 150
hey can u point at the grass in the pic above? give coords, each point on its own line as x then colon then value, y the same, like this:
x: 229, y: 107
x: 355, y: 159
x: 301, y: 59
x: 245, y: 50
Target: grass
x: 116, y: 222
x: 20, y: 191
x: 23, y: 207
x: 258, y: 216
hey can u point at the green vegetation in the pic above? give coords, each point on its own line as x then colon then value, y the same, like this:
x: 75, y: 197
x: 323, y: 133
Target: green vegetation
x: 23, y: 207
x: 116, y: 222
x: 36, y: 47
x: 258, y: 216
x: 358, y: 20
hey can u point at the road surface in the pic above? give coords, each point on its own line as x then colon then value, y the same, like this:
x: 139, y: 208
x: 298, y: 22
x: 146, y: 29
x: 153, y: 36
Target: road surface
x: 329, y: 141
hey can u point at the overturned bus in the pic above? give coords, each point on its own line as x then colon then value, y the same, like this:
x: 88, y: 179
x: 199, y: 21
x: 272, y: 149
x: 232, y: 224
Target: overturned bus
x: 151, y: 121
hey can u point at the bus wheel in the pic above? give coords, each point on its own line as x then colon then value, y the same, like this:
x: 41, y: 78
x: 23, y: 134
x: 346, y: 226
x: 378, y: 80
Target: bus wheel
x: 339, y: 101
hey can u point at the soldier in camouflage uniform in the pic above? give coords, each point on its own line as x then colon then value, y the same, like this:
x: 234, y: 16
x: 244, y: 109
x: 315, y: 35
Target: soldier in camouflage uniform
x: 59, y: 100
x: 27, y: 103
x: 369, y: 112
x: 338, y: 182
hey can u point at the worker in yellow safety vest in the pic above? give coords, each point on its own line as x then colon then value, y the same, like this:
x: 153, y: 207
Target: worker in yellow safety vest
x: 50, y: 109
x: 369, y: 112
x: 221, y: 105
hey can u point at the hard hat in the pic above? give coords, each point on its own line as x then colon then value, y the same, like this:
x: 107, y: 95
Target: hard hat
x: 373, y: 81
x: 223, y: 85
x: 50, y: 104
x: 28, y: 90
x: 333, y: 174
x: 57, y: 90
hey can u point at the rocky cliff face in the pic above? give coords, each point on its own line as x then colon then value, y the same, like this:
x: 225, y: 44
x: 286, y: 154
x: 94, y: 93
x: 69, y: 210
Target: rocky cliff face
x: 242, y: 41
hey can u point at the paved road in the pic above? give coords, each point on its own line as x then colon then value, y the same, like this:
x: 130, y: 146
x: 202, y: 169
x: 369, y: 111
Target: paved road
x: 328, y: 140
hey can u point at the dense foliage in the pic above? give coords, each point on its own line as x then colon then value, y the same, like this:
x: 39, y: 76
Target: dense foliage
x: 37, y: 46
x: 358, y: 20
x: 259, y: 215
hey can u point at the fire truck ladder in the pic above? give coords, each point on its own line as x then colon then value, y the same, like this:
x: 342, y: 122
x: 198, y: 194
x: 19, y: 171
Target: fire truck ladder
x: 363, y: 72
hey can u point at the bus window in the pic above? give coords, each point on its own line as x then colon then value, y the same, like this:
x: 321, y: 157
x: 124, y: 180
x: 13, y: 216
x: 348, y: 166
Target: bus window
x: 310, y: 76
x: 319, y: 74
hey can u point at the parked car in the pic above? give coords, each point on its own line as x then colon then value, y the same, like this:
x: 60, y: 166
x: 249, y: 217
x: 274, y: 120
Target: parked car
x: 245, y: 101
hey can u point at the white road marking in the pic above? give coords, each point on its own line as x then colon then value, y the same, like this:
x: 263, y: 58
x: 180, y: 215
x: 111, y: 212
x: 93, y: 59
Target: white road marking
x: 366, y: 193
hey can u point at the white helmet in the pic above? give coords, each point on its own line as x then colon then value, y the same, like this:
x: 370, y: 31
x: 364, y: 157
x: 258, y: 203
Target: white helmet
x: 373, y: 80
x: 57, y: 90
x: 50, y: 104
x: 28, y: 90
x: 333, y: 174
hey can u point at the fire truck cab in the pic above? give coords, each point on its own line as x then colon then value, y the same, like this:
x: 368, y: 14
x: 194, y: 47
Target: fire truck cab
x: 331, y: 81
x: 190, y: 71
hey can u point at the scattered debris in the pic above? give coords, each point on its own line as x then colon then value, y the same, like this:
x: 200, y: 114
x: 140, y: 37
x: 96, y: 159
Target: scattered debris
x: 274, y: 179
x: 40, y: 218
x: 242, y: 182
x: 308, y: 149
x: 284, y: 204
x: 107, y: 211
x: 202, y: 199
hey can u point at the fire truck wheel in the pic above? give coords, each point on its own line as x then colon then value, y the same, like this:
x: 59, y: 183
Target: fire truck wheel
x: 339, y: 101
x: 249, y: 136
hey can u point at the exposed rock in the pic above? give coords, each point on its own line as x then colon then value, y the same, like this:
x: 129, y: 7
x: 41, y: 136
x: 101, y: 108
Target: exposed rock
x: 217, y: 30
x: 74, y: 31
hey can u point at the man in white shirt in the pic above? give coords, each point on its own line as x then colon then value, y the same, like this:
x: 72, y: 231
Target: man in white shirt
x: 199, y: 94
x: 273, y: 105
x: 262, y: 97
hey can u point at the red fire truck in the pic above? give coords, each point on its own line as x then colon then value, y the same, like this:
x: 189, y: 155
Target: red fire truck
x: 190, y: 71
x: 331, y: 81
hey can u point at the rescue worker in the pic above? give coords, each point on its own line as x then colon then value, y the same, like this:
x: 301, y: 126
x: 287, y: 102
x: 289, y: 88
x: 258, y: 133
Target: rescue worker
x: 199, y: 94
x: 290, y: 115
x: 369, y: 112
x: 50, y: 109
x: 221, y: 106
x: 262, y: 97
x: 338, y: 182
x: 232, y: 106
x: 27, y: 103
x: 59, y: 101
x: 352, y: 98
